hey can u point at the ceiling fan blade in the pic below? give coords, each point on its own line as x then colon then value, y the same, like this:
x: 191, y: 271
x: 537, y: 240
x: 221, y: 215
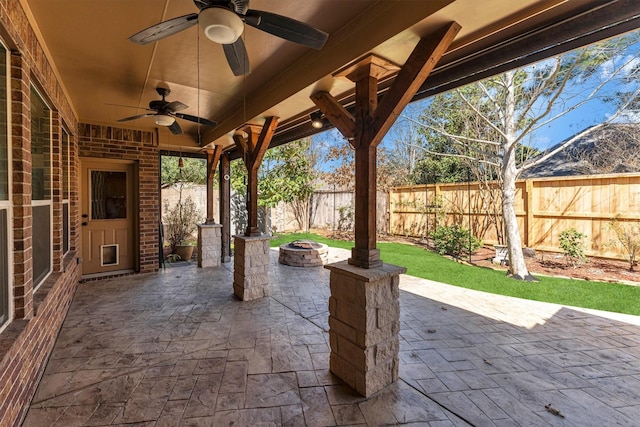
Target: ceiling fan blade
x: 237, y: 57
x: 201, y: 4
x: 175, y: 106
x: 196, y: 119
x: 286, y: 28
x: 139, y: 116
x: 128, y: 106
x: 175, y: 128
x: 165, y: 29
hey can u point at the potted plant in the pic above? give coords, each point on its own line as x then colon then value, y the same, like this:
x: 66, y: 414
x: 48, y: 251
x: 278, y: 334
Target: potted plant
x: 180, y: 222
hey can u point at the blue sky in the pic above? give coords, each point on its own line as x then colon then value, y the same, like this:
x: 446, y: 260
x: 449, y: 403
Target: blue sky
x: 592, y: 112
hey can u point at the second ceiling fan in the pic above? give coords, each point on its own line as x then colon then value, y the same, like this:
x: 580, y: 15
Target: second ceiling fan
x: 223, y: 22
x: 164, y: 113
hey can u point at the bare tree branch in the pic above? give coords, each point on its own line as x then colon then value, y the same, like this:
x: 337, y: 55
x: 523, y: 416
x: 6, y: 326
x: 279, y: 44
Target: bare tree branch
x: 460, y: 156
x: 449, y: 135
x: 540, y: 89
x: 481, y: 115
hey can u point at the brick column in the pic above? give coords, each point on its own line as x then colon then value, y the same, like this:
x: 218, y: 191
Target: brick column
x: 251, y: 267
x: 209, y: 245
x: 364, y: 322
x: 22, y: 211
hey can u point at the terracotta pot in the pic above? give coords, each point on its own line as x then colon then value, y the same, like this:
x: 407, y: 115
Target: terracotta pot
x: 185, y: 252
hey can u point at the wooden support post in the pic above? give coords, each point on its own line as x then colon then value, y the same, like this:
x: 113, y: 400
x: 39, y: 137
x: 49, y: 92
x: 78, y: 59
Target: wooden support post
x: 225, y: 206
x: 213, y: 156
x: 253, y: 147
x: 370, y: 123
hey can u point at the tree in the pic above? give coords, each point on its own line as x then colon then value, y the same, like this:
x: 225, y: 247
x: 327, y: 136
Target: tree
x: 299, y: 161
x: 466, y: 158
x: 403, y: 157
x: 341, y: 160
x: 492, y: 122
x: 193, y: 170
x: 286, y: 175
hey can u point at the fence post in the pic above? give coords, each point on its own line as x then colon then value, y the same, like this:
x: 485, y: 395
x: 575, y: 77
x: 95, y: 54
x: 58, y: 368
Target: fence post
x: 387, y: 210
x: 529, y: 238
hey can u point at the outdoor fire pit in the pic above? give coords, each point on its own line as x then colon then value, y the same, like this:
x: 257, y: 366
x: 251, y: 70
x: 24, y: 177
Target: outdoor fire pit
x: 303, y: 253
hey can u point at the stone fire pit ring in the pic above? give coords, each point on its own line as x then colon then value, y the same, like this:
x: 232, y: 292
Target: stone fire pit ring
x: 304, y: 253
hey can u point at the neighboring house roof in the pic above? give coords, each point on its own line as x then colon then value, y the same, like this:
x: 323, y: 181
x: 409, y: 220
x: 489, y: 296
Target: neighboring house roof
x: 608, y: 148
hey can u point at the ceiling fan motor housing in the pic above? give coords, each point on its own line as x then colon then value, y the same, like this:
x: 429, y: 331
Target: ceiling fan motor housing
x: 240, y: 6
x: 157, y: 104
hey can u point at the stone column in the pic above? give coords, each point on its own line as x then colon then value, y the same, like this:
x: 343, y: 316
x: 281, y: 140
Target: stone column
x: 364, y: 322
x: 209, y: 245
x: 251, y: 267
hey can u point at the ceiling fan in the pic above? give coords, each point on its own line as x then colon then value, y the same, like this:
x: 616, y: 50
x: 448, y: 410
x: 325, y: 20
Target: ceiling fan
x: 223, y: 22
x: 165, y: 113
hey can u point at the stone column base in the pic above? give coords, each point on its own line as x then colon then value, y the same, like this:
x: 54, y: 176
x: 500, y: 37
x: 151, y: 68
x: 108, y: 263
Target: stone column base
x: 251, y: 267
x: 364, y: 323
x: 209, y: 245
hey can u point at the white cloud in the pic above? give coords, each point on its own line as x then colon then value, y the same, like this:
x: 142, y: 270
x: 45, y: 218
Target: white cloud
x: 623, y: 66
x: 628, y: 116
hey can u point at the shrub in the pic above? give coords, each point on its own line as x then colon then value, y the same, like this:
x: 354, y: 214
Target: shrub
x: 627, y: 236
x: 345, y: 218
x: 572, y: 244
x: 181, y: 220
x: 454, y: 240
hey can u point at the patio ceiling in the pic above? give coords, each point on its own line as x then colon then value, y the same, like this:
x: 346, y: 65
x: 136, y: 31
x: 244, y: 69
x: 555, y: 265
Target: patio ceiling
x: 107, y: 77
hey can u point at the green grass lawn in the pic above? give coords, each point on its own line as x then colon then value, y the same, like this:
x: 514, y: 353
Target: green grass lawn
x: 422, y: 263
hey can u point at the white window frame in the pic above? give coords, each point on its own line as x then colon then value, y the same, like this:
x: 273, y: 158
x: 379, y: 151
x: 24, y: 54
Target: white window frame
x: 7, y: 204
x: 49, y: 201
x: 66, y: 201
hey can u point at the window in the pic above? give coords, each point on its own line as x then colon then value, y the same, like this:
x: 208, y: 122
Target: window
x: 66, y: 166
x: 108, y: 195
x: 5, y: 200
x: 41, y: 187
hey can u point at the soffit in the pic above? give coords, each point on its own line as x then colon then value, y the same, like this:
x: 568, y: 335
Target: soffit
x: 107, y: 77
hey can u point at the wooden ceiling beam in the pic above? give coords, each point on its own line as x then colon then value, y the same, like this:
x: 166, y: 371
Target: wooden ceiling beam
x: 415, y: 71
x: 339, y: 116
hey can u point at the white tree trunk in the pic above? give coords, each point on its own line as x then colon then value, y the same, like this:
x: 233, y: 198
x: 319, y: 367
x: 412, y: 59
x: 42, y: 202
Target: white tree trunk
x: 517, y: 266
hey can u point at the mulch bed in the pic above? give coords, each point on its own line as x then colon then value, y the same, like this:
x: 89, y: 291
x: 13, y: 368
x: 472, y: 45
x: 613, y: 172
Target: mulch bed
x: 555, y: 264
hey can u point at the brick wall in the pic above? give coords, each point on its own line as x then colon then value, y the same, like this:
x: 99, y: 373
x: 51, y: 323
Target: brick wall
x: 25, y: 344
x: 110, y: 142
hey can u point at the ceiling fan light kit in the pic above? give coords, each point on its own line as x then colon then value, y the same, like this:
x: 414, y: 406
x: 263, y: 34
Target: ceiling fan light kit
x: 220, y: 25
x: 163, y: 119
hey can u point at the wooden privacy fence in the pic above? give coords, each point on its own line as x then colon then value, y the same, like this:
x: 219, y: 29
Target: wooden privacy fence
x: 328, y: 208
x: 544, y: 206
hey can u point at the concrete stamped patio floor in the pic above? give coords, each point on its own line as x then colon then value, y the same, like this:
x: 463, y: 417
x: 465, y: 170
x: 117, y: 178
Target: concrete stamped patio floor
x: 177, y: 348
